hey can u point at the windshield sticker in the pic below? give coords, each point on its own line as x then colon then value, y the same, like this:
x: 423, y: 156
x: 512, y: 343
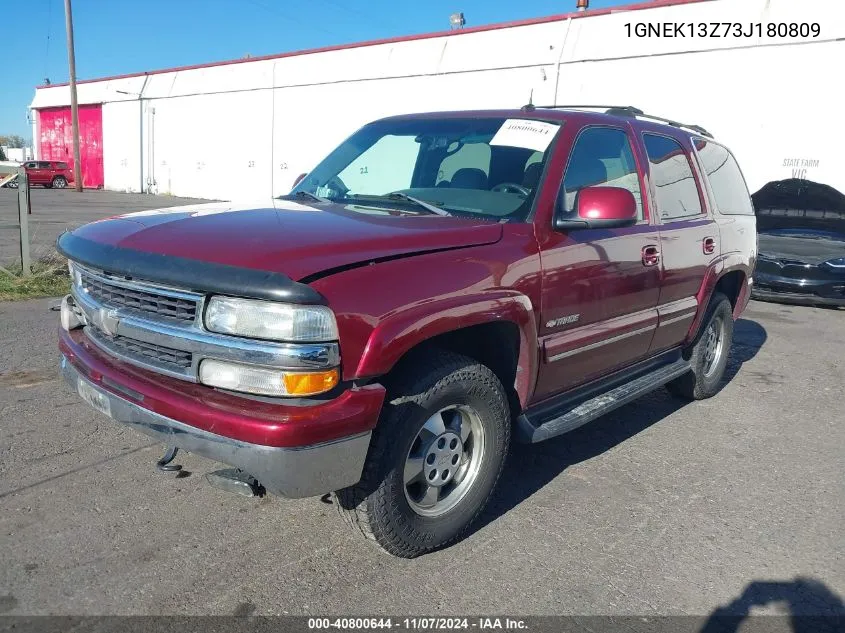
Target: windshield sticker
x: 526, y: 133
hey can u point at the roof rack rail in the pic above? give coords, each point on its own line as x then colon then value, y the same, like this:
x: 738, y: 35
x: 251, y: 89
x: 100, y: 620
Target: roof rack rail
x: 632, y: 112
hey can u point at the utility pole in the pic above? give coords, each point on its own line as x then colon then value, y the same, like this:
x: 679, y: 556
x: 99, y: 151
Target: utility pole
x: 74, y: 106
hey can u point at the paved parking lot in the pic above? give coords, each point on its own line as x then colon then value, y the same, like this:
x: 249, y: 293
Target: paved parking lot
x: 54, y: 210
x: 660, y: 508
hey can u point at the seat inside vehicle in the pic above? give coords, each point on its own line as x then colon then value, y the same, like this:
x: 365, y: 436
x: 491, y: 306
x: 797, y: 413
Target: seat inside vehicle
x: 469, y: 178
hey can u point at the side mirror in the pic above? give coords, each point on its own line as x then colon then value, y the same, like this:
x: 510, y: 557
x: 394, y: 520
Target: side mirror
x: 601, y: 208
x: 298, y: 179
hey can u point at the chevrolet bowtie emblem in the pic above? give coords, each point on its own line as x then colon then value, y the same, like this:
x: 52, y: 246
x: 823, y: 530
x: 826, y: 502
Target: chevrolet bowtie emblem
x: 109, y: 321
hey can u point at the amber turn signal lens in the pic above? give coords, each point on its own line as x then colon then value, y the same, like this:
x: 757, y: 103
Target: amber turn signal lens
x: 310, y: 384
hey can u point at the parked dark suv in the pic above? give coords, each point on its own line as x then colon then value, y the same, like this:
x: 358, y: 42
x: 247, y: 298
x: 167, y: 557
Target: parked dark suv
x: 49, y: 173
x: 439, y: 284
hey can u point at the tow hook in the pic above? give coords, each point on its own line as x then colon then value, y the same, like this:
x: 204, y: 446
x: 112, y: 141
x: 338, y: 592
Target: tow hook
x: 164, y: 463
x: 237, y: 481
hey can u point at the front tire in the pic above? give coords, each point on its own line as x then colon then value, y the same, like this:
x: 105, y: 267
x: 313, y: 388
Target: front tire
x: 708, y: 353
x: 435, y: 456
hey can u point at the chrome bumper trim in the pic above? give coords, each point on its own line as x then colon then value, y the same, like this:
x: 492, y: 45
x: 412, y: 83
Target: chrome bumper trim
x: 189, y: 337
x: 298, y: 472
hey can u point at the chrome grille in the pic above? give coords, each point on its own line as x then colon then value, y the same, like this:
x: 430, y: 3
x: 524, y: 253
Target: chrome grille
x: 157, y: 353
x: 166, y: 360
x: 137, y: 297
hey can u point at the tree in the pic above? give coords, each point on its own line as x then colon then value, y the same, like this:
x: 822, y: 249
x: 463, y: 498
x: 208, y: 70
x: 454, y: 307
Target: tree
x: 12, y: 140
x: 2, y: 154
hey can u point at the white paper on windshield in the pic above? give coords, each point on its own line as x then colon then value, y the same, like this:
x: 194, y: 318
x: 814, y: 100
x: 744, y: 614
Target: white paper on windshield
x: 525, y: 133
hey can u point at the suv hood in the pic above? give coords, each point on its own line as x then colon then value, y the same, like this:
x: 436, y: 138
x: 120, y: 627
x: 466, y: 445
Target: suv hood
x: 287, y: 237
x: 808, y: 246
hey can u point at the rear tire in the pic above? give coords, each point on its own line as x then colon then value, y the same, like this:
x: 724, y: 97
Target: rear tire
x: 708, y: 353
x: 447, y: 422
x: 59, y: 182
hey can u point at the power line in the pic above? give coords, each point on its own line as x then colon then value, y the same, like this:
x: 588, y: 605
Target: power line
x: 353, y: 11
x: 293, y: 19
x: 47, y: 51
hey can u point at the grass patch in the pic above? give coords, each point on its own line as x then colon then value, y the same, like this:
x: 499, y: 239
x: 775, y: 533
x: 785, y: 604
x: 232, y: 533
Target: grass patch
x: 49, y: 278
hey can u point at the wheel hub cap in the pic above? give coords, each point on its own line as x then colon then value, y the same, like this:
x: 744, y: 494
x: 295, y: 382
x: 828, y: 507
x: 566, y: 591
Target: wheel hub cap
x: 444, y: 460
x: 713, y: 346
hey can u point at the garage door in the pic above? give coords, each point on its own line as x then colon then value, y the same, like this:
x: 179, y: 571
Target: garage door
x: 56, y: 140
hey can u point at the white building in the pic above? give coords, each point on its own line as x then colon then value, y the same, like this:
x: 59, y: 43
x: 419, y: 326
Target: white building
x: 17, y: 154
x: 768, y: 86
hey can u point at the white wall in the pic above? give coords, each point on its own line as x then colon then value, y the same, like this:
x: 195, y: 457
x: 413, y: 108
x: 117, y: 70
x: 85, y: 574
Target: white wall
x: 769, y: 100
x: 17, y: 154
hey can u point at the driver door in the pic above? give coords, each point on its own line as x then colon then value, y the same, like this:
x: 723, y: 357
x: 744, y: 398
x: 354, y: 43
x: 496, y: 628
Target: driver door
x: 599, y: 289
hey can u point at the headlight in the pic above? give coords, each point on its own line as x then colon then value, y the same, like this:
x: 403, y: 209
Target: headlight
x: 265, y: 381
x: 836, y: 263
x: 268, y: 320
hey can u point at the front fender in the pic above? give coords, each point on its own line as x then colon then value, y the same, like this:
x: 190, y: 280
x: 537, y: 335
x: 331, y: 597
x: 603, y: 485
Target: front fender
x: 398, y: 333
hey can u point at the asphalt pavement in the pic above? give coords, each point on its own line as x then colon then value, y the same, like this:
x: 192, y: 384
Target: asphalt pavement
x: 660, y: 508
x: 55, y: 210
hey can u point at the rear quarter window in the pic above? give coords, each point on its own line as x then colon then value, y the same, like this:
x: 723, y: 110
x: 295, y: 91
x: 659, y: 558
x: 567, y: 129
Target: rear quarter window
x: 730, y: 192
x: 61, y: 166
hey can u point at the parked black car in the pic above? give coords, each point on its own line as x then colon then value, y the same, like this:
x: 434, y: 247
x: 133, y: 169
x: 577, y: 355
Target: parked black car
x: 801, y: 233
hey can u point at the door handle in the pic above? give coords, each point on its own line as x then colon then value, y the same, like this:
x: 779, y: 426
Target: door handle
x: 651, y: 255
x: 708, y: 245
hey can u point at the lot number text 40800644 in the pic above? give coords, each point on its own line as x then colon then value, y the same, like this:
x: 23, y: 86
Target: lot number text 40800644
x: 416, y: 624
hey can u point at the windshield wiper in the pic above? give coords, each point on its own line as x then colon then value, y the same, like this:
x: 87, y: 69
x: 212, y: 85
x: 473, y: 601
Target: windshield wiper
x: 396, y: 195
x: 311, y: 196
x: 421, y: 203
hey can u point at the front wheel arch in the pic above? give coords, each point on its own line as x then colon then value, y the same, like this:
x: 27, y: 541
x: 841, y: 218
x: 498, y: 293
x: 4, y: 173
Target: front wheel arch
x: 454, y: 326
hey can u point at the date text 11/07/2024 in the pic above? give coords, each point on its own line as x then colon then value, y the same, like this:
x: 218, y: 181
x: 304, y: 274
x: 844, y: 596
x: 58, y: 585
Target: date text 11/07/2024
x: 723, y: 29
x: 417, y: 624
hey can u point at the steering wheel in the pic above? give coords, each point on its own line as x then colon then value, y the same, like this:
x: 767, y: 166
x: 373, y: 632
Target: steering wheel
x: 511, y: 187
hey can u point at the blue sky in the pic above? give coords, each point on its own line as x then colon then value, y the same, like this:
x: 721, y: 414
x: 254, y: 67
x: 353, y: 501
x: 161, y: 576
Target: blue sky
x: 120, y: 36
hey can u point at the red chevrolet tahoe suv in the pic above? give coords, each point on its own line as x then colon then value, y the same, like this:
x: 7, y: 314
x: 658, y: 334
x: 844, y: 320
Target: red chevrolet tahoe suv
x: 439, y: 284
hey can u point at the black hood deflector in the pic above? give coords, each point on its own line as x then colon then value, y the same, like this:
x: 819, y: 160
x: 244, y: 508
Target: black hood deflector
x: 189, y: 274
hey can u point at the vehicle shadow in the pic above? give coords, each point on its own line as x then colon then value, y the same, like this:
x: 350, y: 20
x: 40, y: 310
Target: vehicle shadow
x: 811, y: 607
x: 530, y: 467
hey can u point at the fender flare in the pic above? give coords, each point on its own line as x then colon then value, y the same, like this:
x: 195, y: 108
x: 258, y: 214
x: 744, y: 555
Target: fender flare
x: 728, y: 263
x: 400, y: 331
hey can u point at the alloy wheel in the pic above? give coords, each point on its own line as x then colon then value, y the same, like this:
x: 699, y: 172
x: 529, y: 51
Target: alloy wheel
x: 714, y: 338
x: 444, y: 460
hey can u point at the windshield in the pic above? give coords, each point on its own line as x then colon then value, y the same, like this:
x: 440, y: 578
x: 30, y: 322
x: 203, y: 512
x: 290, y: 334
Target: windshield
x: 465, y: 167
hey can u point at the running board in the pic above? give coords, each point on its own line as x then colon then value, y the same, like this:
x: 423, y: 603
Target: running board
x: 531, y: 429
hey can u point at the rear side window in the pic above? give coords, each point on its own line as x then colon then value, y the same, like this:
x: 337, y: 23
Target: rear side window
x: 671, y: 175
x: 43, y: 165
x: 726, y: 181
x: 61, y: 165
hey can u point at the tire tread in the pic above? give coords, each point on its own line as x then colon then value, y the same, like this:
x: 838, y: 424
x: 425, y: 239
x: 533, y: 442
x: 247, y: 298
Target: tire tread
x: 409, y: 384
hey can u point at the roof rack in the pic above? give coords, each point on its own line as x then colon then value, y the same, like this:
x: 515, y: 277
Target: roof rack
x: 629, y: 111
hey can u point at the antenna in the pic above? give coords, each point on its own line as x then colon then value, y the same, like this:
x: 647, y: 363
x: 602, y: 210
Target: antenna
x: 530, y: 105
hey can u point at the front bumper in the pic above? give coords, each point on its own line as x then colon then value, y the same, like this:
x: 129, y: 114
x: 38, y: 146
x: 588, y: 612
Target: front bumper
x: 795, y: 298
x: 302, y: 471
x: 809, y: 291
x: 293, y: 448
